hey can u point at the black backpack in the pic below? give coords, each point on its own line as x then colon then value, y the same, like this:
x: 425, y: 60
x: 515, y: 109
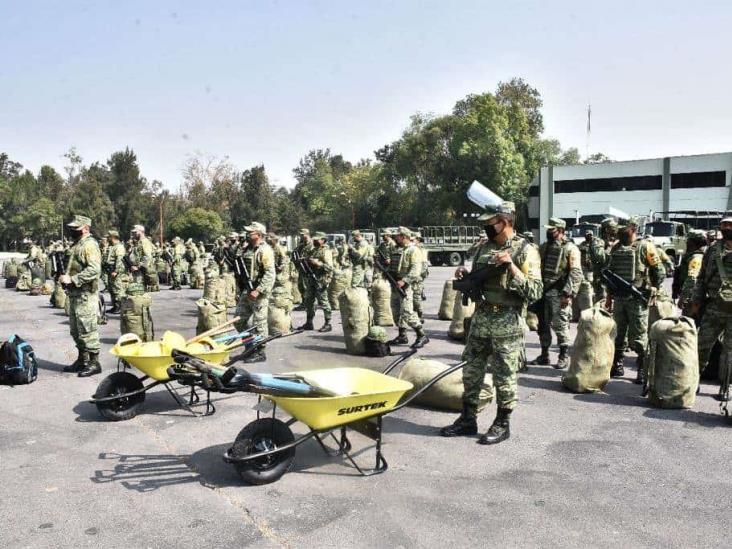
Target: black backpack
x: 377, y: 348
x: 18, y: 364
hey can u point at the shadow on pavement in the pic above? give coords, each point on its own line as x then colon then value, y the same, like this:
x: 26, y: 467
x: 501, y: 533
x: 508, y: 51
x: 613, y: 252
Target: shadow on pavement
x: 144, y: 472
x: 689, y: 417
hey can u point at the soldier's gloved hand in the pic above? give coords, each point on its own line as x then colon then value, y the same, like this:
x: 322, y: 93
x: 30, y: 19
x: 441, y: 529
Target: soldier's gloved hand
x: 65, y: 280
x: 460, y: 272
x: 253, y: 295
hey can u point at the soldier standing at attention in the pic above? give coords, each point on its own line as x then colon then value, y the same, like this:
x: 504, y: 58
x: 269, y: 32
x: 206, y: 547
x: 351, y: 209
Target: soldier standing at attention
x: 360, y: 253
x: 599, y: 253
x: 117, y: 272
x: 405, y: 266
x: 561, y: 274
x: 81, y: 282
x: 304, y: 248
x: 637, y: 262
x: 143, y: 269
x: 496, y: 337
x: 321, y: 261
x: 260, y: 262
x: 686, y: 275
x: 712, y: 300
x: 385, y: 248
x: 281, y: 262
x: 424, y: 272
x: 177, y: 252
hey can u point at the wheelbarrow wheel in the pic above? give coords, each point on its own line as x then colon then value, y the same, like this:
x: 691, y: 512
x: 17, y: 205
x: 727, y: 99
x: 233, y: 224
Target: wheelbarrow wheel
x: 122, y: 408
x: 260, y: 436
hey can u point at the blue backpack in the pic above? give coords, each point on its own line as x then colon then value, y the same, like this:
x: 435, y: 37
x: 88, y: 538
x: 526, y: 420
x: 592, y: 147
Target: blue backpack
x: 18, y: 364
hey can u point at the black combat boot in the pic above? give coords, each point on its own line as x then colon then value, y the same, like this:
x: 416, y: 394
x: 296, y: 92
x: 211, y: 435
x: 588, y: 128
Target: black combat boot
x: 114, y: 309
x: 640, y: 379
x: 326, y: 327
x: 500, y: 430
x: 308, y: 324
x: 78, y: 365
x: 542, y: 359
x: 257, y: 356
x: 92, y: 367
x: 401, y: 339
x: 421, y: 340
x: 300, y: 307
x: 617, y: 370
x: 465, y: 425
x: 563, y: 360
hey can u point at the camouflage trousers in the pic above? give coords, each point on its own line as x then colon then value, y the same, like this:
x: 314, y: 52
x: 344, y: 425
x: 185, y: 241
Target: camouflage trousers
x: 499, y: 356
x: 314, y: 295
x: 631, y: 319
x: 256, y: 310
x: 402, y: 309
x: 715, y: 322
x: 417, y: 288
x: 83, y: 311
x: 358, y: 278
x: 555, y: 318
x: 152, y: 284
x: 175, y: 274
x: 118, y: 287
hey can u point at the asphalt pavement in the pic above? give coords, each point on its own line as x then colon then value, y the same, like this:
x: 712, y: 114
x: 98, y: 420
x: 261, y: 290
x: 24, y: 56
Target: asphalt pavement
x: 601, y: 470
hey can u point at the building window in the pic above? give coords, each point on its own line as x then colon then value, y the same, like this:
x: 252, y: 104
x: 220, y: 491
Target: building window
x: 698, y: 179
x: 608, y: 184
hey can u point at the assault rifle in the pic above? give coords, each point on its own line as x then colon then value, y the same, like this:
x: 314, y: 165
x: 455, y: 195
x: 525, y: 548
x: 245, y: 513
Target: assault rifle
x: 241, y: 273
x: 305, y: 268
x: 390, y: 277
x: 128, y: 263
x: 58, y: 263
x: 619, y: 286
x: 471, y: 283
x: 165, y: 256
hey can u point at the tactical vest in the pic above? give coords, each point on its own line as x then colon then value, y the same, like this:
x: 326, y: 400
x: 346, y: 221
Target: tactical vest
x: 77, y: 264
x: 554, y: 262
x: 625, y: 261
x: 395, y: 258
x: 495, y: 287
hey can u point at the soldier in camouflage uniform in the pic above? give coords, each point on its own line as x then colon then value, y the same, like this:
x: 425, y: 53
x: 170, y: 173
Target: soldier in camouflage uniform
x: 260, y: 262
x: 561, y: 273
x: 81, y: 282
x: 362, y: 258
x: 385, y: 248
x: 405, y: 266
x: 281, y: 263
x: 496, y: 337
x: 599, y: 253
x: 686, y: 275
x: 143, y: 268
x: 320, y: 259
x: 424, y: 272
x: 104, y: 250
x: 119, y: 278
x: 637, y: 262
x: 712, y: 300
x: 177, y: 251
x: 304, y: 248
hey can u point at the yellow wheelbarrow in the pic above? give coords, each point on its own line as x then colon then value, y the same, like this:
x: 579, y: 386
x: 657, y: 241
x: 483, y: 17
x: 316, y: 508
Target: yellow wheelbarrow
x: 121, y: 395
x: 326, y: 401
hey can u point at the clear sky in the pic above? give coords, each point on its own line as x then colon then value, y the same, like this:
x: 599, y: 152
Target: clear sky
x: 264, y: 82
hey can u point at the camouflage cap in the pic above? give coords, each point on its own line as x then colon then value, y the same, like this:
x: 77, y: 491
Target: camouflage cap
x: 304, y: 232
x: 387, y: 232
x: 79, y: 221
x: 404, y: 231
x: 698, y: 237
x: 319, y: 235
x: 356, y: 233
x: 138, y: 228
x: 507, y: 207
x: 726, y: 218
x: 177, y: 239
x: 113, y: 233
x: 256, y: 227
x: 556, y: 223
x: 633, y: 220
x: 233, y: 234
x: 608, y: 222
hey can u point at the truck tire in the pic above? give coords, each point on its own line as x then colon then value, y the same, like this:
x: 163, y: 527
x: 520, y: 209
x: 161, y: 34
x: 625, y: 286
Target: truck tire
x: 455, y: 259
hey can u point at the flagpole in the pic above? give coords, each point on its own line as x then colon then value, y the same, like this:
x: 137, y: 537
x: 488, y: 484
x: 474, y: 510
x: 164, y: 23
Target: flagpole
x: 589, y: 129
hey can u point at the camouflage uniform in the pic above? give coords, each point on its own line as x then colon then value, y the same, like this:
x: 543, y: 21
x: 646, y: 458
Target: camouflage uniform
x: 304, y: 249
x: 423, y: 274
x: 599, y: 253
x: 144, y: 253
x: 685, y: 278
x: 639, y: 264
x: 177, y: 252
x: 561, y: 273
x: 119, y: 278
x: 317, y: 290
x: 260, y: 263
x: 282, y: 266
x: 384, y: 251
x: 405, y: 266
x: 362, y: 258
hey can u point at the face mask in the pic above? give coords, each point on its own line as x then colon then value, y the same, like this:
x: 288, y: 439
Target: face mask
x: 76, y: 234
x: 625, y: 238
x: 550, y: 236
x: 490, y: 231
x: 727, y: 234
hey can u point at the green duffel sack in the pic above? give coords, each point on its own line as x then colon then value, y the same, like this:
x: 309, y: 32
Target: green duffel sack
x: 197, y: 277
x: 48, y: 287
x: 447, y: 303
x: 582, y: 301
x: 356, y: 319
x: 592, y: 353
x: 24, y: 281
x: 279, y: 320
x: 38, y: 272
x: 673, y: 364
x: 663, y: 308
x: 381, y: 302
x: 10, y: 269
x: 58, y: 297
x: 229, y: 289
x: 213, y: 289
x: 36, y: 287
x: 338, y: 284
x: 135, y: 317
x: 459, y: 313
x: 446, y: 394
x: 281, y: 298
x: 210, y: 315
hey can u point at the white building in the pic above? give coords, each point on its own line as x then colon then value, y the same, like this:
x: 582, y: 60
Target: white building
x: 636, y: 187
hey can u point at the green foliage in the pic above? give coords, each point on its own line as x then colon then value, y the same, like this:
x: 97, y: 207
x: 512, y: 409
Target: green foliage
x: 198, y: 224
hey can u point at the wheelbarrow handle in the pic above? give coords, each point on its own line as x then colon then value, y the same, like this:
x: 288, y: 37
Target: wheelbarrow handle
x: 258, y: 344
x: 398, y: 361
x: 429, y: 384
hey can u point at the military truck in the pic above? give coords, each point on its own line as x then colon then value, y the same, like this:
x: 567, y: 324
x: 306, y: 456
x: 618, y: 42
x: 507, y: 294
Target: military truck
x: 578, y: 231
x: 448, y: 244
x: 670, y: 236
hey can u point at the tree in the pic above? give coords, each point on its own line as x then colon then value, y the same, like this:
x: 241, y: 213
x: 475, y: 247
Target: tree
x: 88, y: 197
x: 125, y: 188
x: 597, y: 158
x: 198, y: 224
x: 254, y: 199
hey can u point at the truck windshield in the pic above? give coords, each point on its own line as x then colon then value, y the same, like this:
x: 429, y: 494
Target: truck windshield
x: 578, y: 231
x: 659, y: 229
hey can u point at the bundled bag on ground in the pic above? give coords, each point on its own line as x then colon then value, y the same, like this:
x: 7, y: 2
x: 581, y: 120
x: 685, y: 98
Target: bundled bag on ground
x: 459, y: 313
x: 662, y: 308
x: 673, y: 365
x: 376, y: 342
x: 135, y: 317
x: 210, y: 315
x: 340, y: 281
x: 58, y: 297
x: 583, y: 299
x: 230, y: 289
x: 446, y: 394
x: 447, y: 303
x: 356, y: 319
x: 592, y: 352
x: 279, y: 320
x: 381, y: 302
